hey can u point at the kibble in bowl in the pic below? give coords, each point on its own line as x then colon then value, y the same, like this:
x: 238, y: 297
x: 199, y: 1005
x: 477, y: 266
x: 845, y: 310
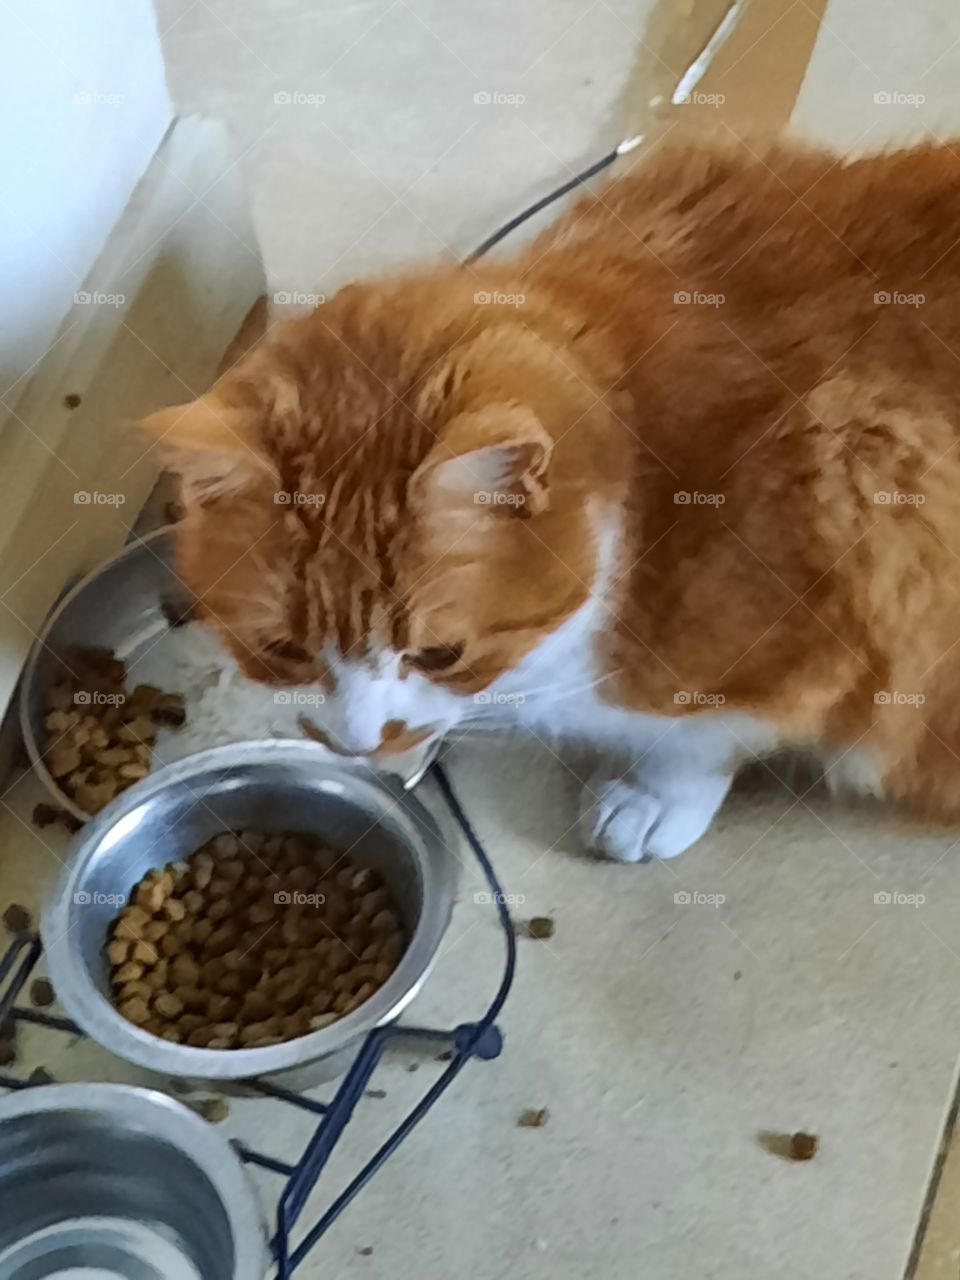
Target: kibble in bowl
x: 346, y: 818
x: 99, y: 734
x: 252, y: 940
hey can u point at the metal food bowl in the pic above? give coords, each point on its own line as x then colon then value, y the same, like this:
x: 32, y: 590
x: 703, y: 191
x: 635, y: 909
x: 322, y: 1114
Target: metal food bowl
x: 124, y: 605
x: 279, y: 787
x: 111, y: 1180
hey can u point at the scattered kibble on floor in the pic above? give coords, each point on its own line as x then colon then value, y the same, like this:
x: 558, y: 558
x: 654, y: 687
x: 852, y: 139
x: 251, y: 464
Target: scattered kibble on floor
x: 803, y: 1146
x: 42, y: 994
x: 17, y: 919
x: 215, y: 1110
x: 47, y: 815
x: 365, y: 1251
x: 533, y: 1118
x: 797, y: 1146
x: 539, y: 928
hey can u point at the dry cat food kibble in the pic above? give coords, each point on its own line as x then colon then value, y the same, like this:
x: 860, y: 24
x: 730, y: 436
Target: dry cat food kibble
x: 99, y: 736
x: 46, y: 815
x: 533, y: 1118
x: 17, y: 919
x: 252, y: 940
x: 803, y: 1146
x: 42, y: 994
x: 538, y: 928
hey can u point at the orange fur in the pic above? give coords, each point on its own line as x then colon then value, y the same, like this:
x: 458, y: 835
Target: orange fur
x: 800, y: 598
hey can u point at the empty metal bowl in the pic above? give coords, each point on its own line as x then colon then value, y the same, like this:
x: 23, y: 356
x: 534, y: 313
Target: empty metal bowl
x: 110, y: 1180
x: 278, y: 787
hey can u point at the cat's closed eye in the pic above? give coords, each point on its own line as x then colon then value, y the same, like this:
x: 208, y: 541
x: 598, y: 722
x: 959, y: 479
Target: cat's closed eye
x: 285, y: 649
x: 436, y: 658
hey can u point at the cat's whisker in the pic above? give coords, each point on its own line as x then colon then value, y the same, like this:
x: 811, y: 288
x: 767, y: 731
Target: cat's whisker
x: 544, y: 701
x: 503, y: 715
x: 571, y: 692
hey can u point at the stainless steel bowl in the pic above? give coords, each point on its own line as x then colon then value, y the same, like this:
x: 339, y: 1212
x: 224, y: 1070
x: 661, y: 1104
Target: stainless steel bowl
x: 109, y: 1180
x: 124, y: 605
x: 275, y: 786
x: 121, y: 605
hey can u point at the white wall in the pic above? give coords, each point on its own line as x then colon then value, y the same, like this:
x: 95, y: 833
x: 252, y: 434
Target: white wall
x: 84, y: 105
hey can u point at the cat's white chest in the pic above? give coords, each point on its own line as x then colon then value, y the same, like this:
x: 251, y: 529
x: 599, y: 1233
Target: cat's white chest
x: 560, y: 691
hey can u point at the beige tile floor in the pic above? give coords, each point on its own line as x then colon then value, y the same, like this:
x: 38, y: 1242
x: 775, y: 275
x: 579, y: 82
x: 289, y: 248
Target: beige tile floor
x: 665, y: 1038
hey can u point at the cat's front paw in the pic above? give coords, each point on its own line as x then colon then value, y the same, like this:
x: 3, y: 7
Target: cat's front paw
x: 616, y: 819
x: 630, y: 823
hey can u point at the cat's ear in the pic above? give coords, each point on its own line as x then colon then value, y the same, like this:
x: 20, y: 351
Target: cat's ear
x: 212, y: 445
x: 497, y: 457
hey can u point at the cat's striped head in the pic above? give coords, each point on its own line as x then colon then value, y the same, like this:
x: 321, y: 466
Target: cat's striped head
x: 389, y: 499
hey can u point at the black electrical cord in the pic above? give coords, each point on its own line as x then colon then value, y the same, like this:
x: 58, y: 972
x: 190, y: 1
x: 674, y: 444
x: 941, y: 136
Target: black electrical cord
x: 578, y: 180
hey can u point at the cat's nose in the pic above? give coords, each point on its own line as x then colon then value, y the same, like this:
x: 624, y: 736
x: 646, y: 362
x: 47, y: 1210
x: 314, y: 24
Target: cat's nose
x: 396, y: 737
x: 341, y: 744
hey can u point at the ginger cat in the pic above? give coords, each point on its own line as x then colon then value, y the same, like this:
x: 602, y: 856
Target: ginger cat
x: 682, y: 477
